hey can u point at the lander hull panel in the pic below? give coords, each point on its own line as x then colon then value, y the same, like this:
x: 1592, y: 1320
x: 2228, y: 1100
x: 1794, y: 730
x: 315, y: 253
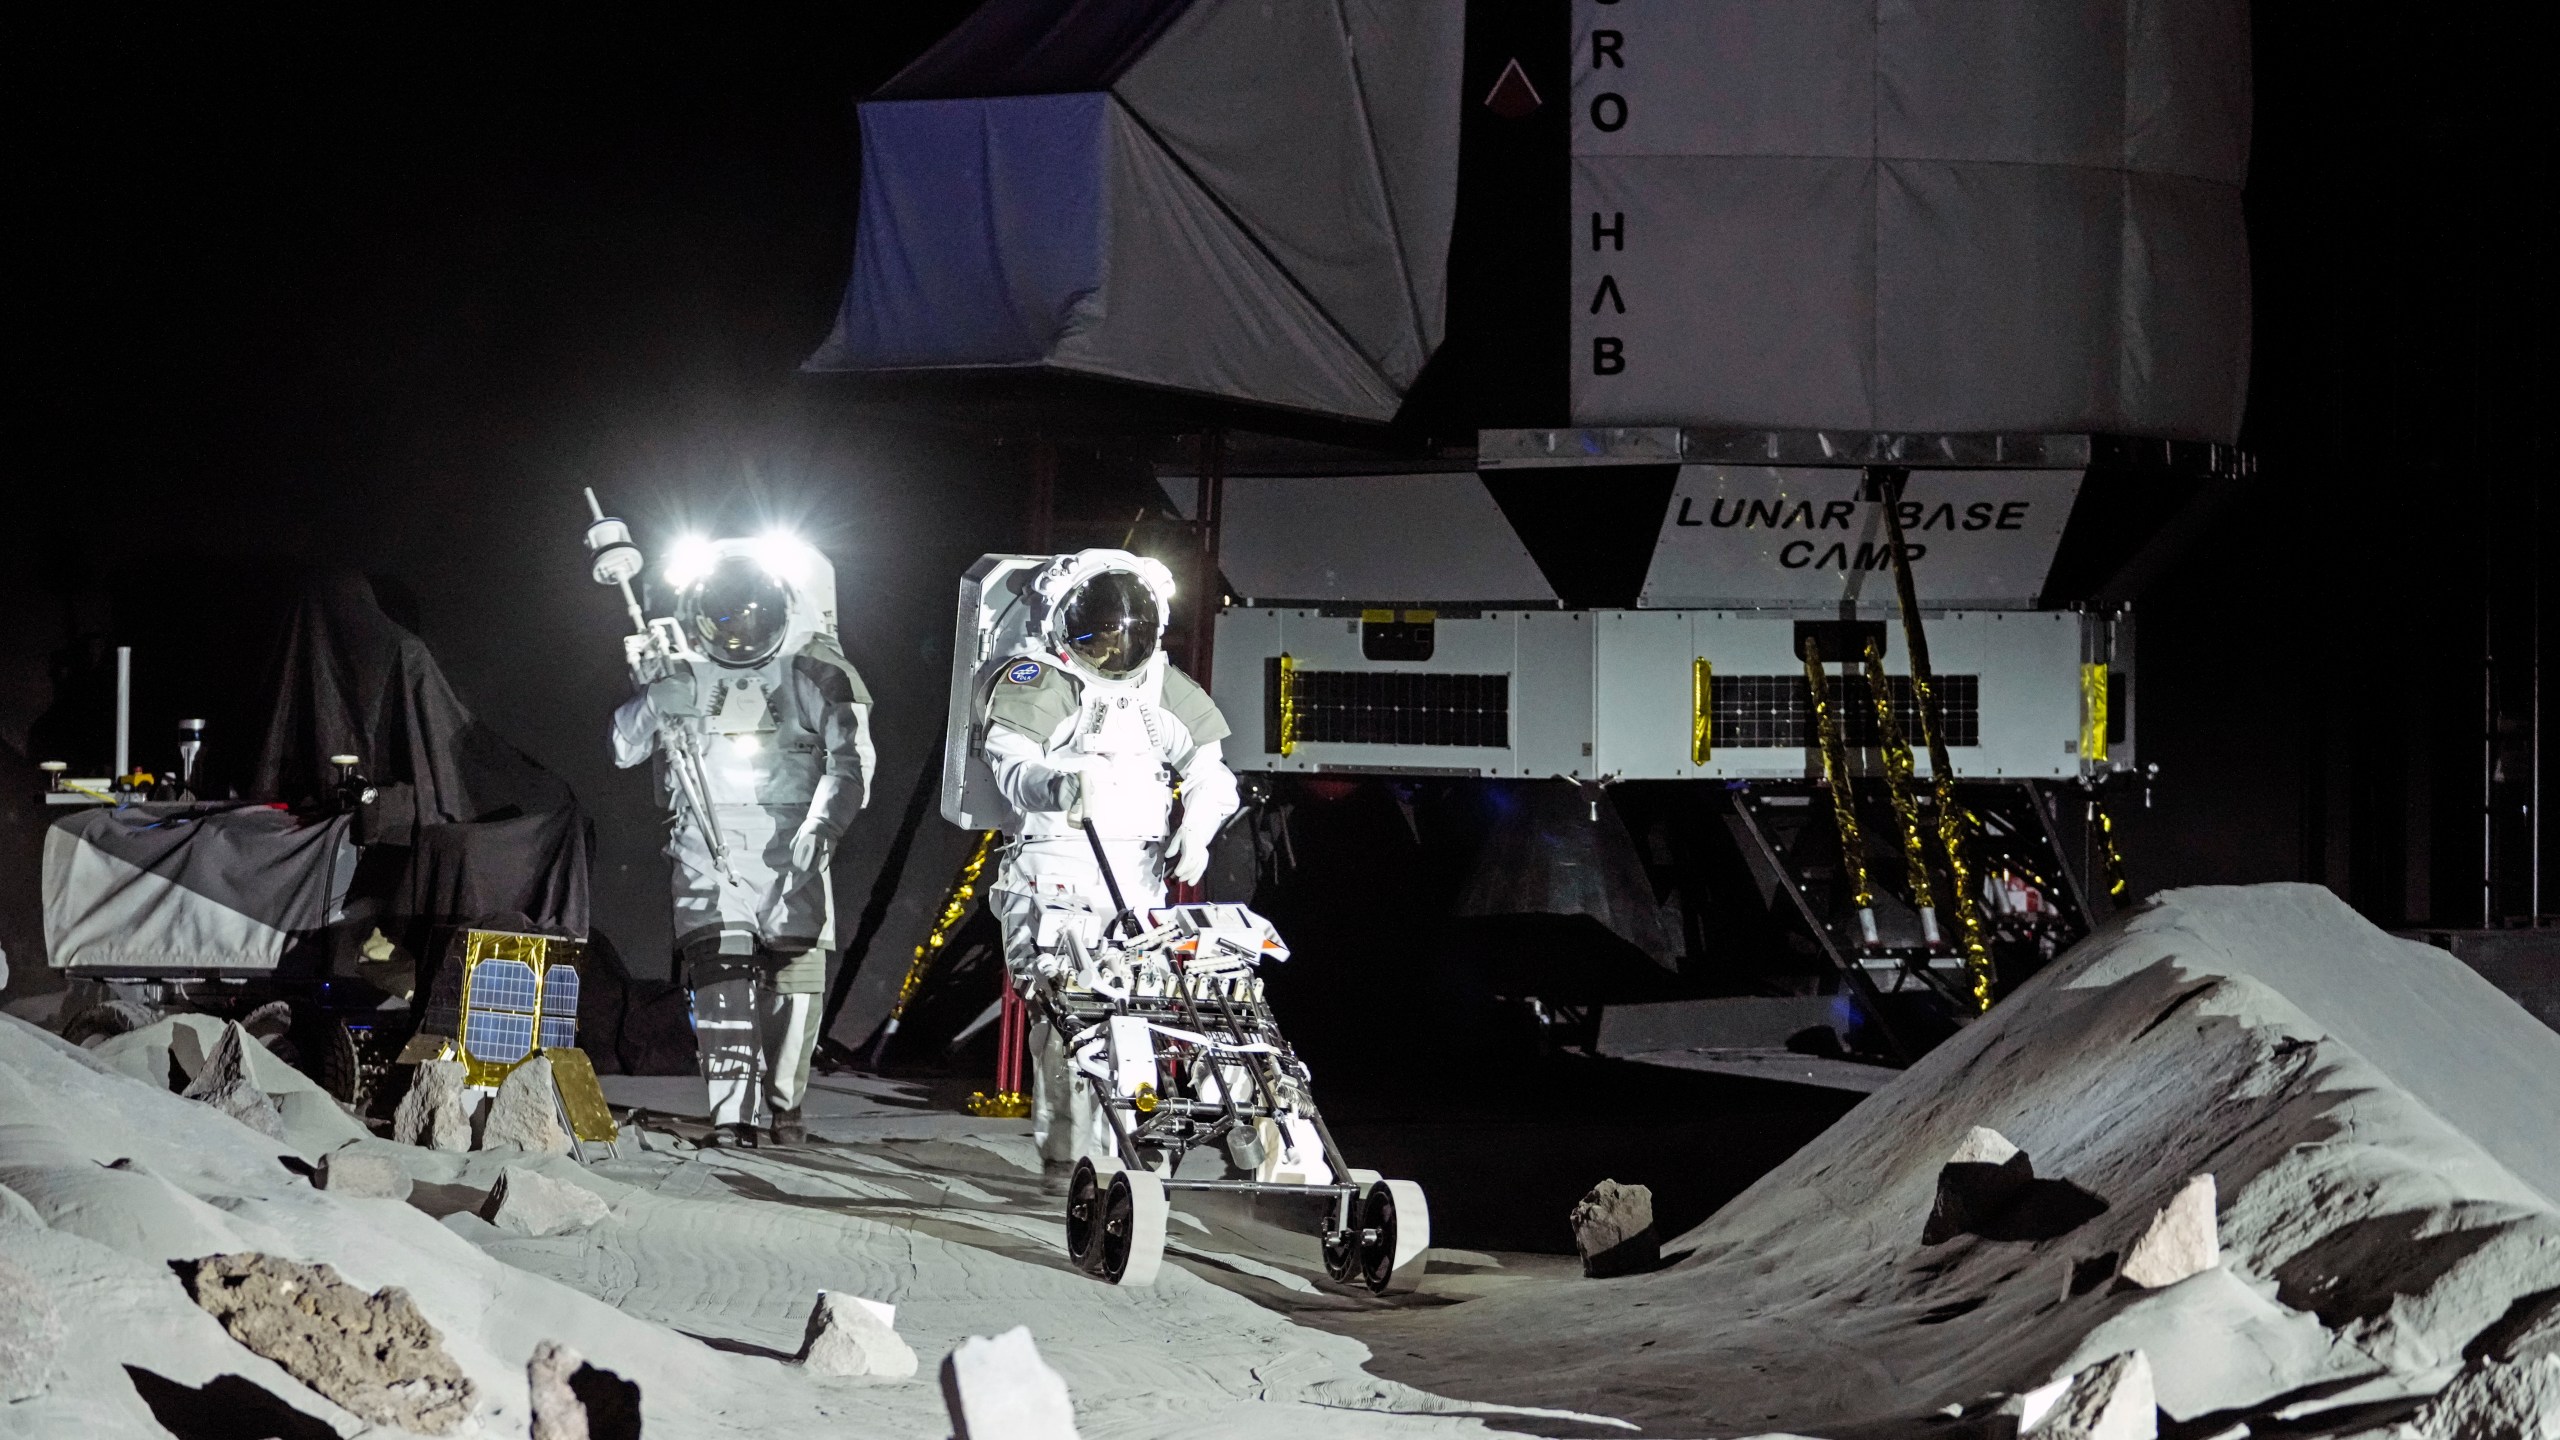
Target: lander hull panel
x: 1661, y: 694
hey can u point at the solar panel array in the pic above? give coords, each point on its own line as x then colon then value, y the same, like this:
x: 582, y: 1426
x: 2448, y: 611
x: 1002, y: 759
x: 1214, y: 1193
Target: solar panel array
x: 500, y: 1004
x: 560, y: 992
x: 1758, y: 712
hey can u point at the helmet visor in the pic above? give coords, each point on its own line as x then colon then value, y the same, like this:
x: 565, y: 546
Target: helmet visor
x: 737, y: 613
x: 1111, y: 622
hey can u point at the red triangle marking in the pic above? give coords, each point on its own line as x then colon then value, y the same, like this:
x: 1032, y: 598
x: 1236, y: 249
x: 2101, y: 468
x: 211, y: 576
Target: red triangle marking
x: 1512, y: 96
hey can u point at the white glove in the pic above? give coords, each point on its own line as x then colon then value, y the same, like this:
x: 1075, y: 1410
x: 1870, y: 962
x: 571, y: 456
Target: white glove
x: 808, y: 848
x: 1186, y: 855
x: 1072, y: 787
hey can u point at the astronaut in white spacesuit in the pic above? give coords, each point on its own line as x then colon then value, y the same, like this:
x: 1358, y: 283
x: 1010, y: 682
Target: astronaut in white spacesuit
x: 1095, y: 724
x: 760, y: 721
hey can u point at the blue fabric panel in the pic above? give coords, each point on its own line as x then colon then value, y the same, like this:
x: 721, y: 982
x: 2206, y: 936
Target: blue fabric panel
x: 982, y: 232
x: 1034, y: 47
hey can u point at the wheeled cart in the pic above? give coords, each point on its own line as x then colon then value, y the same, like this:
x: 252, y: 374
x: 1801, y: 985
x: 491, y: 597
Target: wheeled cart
x: 1169, y: 1029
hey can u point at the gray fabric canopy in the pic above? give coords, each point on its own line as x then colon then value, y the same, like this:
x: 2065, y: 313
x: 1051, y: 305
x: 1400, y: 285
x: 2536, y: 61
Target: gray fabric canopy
x: 1256, y: 206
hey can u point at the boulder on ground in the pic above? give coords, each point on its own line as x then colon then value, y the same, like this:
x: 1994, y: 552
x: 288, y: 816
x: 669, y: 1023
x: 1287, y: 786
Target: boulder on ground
x: 1979, y: 1182
x: 30, y: 1334
x: 526, y: 1115
x: 362, y: 1177
x: 373, y: 1354
x: 574, y: 1400
x: 2110, y: 1400
x: 2180, y: 1241
x: 436, y: 1112
x: 849, y: 1337
x: 528, y: 1202
x: 1000, y: 1389
x: 2530, y: 1329
x: 2497, y: 1400
x: 1613, y: 1229
x: 558, y: 1413
x: 223, y: 1081
x: 207, y: 1058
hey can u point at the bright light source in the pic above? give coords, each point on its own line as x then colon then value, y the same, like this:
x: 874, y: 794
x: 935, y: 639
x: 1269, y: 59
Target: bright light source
x: 688, y: 560
x: 785, y: 556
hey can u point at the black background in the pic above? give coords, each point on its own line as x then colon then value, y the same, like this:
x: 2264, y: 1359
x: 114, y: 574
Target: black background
x: 302, y: 288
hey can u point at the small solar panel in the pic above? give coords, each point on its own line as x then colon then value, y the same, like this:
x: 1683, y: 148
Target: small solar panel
x: 559, y: 1032
x: 503, y: 985
x: 498, y: 1036
x: 560, y: 990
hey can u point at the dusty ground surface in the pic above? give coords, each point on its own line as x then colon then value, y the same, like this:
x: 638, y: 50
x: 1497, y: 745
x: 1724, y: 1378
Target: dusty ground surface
x: 2383, y: 1126
x: 2384, y: 1131
x: 698, y: 1284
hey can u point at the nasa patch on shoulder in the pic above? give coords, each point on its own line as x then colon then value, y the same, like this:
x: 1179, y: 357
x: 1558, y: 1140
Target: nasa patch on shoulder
x: 1024, y: 673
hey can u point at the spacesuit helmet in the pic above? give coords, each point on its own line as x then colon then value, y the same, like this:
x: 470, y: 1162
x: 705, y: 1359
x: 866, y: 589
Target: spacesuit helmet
x: 736, y: 612
x: 1105, y: 610
x: 1111, y: 622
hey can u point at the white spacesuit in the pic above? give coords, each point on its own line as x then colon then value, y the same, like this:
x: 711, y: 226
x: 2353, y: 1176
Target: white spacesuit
x: 1094, y: 724
x: 761, y: 721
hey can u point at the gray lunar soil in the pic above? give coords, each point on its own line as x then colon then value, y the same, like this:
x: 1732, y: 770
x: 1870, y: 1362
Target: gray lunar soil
x: 2377, y: 1251
x: 2382, y: 1126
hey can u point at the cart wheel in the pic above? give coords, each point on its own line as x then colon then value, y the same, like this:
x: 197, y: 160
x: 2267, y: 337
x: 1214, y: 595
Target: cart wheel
x: 1342, y: 1252
x: 1086, y: 1198
x: 1131, y: 1245
x: 1396, y: 1232
x: 342, y: 1067
x: 108, y: 1019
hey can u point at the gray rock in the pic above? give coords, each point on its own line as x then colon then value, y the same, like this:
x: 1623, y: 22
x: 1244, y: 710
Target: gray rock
x: 250, y: 1106
x: 2111, y: 1400
x: 224, y: 1083
x: 576, y: 1400
x: 373, y: 1354
x: 525, y: 1115
x: 1000, y: 1389
x: 528, y: 1202
x: 2180, y: 1241
x: 362, y: 1177
x: 2497, y: 1400
x: 558, y: 1413
x: 2531, y: 1329
x: 1613, y: 1229
x: 847, y: 1337
x: 1979, y: 1183
x: 30, y: 1334
x: 1983, y: 1145
x: 436, y: 1112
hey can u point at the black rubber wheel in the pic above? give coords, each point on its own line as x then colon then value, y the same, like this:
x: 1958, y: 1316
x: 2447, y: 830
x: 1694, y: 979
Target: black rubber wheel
x: 1342, y: 1253
x: 1111, y: 1247
x: 1085, y: 1201
x: 1131, y: 1246
x: 1395, y: 1245
x: 108, y: 1019
x: 1378, y: 1238
x: 270, y: 1022
x: 342, y: 1066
